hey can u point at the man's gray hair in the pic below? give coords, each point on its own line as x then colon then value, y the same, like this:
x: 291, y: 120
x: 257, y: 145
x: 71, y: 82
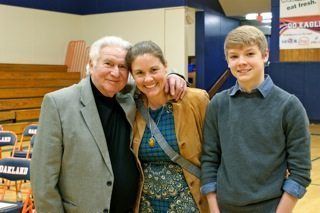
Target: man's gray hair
x: 95, y: 48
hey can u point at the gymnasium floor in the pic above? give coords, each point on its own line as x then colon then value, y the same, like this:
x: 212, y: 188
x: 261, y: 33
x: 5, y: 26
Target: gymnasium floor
x: 310, y: 203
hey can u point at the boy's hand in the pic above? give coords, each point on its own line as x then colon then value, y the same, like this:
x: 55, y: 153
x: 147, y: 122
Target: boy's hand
x: 212, y: 201
x: 287, y: 203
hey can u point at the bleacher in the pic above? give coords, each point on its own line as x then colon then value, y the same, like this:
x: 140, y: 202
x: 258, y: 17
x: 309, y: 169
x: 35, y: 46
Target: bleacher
x: 22, y: 87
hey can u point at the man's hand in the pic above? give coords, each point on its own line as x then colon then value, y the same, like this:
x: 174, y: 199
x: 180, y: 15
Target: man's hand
x: 176, y: 85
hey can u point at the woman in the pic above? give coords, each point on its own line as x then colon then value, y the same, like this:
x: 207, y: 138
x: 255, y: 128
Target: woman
x: 166, y: 186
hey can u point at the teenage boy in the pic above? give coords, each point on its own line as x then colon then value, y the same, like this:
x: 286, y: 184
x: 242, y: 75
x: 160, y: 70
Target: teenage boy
x: 256, y: 153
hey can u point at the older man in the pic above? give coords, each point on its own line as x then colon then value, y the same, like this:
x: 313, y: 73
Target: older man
x: 82, y: 161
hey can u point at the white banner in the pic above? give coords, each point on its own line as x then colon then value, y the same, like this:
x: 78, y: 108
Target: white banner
x: 299, y: 24
x: 300, y: 32
x: 298, y: 8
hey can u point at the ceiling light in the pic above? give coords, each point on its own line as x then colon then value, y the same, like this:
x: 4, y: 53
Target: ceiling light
x: 260, y: 17
x: 266, y: 21
x: 251, y: 16
x: 267, y: 15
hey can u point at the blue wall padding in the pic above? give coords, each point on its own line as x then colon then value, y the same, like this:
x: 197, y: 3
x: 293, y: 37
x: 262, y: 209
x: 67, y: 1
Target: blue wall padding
x: 66, y: 6
x: 301, y: 79
x: 274, y: 40
x: 211, y: 30
x: 85, y: 7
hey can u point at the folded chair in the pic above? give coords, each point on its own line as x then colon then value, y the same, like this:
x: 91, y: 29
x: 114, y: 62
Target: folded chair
x: 19, y: 200
x: 30, y: 146
x: 26, y: 153
x: 7, y: 138
x: 18, y: 150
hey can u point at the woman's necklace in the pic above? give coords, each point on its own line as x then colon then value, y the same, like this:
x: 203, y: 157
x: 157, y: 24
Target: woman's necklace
x: 152, y: 140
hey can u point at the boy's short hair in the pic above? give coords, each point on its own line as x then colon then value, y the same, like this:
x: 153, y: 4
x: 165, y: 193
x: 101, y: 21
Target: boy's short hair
x: 245, y: 36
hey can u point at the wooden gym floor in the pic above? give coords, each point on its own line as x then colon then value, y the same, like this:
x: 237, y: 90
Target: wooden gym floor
x: 310, y: 203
